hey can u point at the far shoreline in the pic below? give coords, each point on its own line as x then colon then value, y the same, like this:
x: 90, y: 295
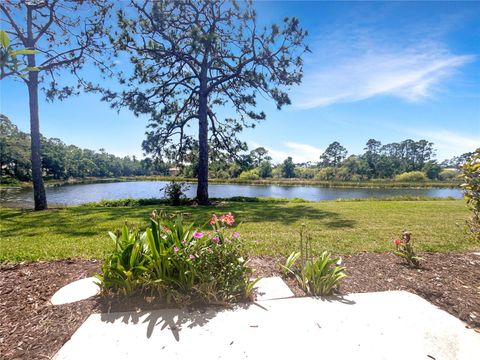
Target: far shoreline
x: 372, y: 184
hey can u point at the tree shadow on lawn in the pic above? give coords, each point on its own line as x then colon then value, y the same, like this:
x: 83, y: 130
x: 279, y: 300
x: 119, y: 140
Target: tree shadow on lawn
x: 84, y: 221
x: 273, y: 212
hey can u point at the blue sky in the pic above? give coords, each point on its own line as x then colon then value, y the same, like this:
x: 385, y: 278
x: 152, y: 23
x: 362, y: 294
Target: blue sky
x: 388, y: 71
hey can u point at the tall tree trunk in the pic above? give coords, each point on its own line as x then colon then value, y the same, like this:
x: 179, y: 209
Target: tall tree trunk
x: 38, y: 187
x: 202, y: 186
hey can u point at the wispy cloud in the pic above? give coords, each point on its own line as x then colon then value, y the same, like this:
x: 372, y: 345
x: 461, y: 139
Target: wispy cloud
x: 299, y: 152
x: 358, y: 63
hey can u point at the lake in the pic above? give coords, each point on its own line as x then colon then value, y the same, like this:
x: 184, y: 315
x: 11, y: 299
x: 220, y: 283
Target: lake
x: 83, y: 193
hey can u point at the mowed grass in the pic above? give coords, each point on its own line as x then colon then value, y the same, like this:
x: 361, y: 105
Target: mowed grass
x: 268, y: 227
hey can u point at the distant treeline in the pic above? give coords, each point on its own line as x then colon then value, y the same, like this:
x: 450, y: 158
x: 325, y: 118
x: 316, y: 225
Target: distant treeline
x: 61, y: 161
x: 408, y: 160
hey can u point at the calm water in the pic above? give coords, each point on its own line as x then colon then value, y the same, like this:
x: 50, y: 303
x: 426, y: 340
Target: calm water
x: 79, y: 194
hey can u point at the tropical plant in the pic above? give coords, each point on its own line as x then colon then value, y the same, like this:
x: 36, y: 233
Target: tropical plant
x: 9, y: 61
x: 172, y: 257
x: 405, y: 250
x: 471, y: 190
x: 124, y: 269
x: 320, y: 276
x: 316, y: 275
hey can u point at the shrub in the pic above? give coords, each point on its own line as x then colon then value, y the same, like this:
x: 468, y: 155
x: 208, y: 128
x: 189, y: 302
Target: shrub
x: 249, y: 175
x: 326, y: 174
x: 432, y: 170
x: 405, y: 250
x: 471, y: 189
x: 305, y: 173
x: 411, y: 176
x: 175, y: 192
x: 175, y: 259
x: 317, y: 276
x: 265, y: 169
x: 448, y: 175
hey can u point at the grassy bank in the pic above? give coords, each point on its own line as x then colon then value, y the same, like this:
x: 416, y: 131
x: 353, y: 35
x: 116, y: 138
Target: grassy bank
x: 269, y: 227
x: 271, y: 181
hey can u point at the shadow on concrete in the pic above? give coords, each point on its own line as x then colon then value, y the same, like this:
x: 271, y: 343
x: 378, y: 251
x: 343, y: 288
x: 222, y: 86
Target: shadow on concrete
x: 172, y: 320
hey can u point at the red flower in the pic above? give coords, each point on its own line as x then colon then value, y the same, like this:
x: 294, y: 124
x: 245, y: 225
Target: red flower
x: 397, y: 242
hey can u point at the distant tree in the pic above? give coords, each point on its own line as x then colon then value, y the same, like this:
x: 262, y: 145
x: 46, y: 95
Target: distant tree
x: 371, y: 155
x: 456, y: 161
x: 432, y: 169
x: 193, y: 56
x: 258, y: 155
x: 333, y: 155
x: 265, y: 169
x: 62, y: 38
x: 288, y: 168
x: 14, y: 151
x: 387, y: 166
x: 354, y: 168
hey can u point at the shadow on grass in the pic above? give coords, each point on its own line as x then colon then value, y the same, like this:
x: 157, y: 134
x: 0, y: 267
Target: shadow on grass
x: 84, y: 221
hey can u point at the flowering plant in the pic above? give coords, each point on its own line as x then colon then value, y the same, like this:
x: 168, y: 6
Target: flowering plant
x: 172, y: 257
x: 404, y: 249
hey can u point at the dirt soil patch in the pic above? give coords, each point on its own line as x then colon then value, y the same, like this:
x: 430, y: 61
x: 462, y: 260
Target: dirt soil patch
x: 31, y: 328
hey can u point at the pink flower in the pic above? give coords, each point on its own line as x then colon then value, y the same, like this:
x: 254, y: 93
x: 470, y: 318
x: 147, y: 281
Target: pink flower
x: 216, y: 239
x: 397, y: 242
x: 213, y: 220
x: 191, y: 257
x: 175, y: 249
x: 228, y: 219
x: 236, y: 235
x: 197, y: 235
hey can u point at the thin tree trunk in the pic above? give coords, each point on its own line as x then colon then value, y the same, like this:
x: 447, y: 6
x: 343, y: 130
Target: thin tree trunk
x: 38, y: 187
x: 202, y: 186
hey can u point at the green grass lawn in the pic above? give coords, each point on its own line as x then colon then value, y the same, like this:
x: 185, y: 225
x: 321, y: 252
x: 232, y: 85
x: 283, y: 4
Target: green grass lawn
x: 268, y: 227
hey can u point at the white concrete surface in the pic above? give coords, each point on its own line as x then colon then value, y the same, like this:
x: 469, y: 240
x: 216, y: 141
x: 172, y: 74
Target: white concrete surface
x: 387, y: 325
x: 78, y: 290
x: 272, y: 288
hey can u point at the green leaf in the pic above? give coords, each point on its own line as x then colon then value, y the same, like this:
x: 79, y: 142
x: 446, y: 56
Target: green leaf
x: 25, y: 52
x: 4, y: 39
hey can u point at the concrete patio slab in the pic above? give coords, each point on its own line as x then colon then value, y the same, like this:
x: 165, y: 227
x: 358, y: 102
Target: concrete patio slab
x: 386, y: 325
x: 78, y: 290
x: 272, y: 288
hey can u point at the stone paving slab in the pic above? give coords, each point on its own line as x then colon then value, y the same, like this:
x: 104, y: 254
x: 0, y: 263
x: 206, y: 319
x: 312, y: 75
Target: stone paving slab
x: 78, y: 290
x: 385, y: 325
x: 271, y: 288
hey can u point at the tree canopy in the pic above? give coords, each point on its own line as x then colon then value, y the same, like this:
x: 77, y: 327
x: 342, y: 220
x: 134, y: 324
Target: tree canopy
x: 55, y: 35
x: 192, y: 57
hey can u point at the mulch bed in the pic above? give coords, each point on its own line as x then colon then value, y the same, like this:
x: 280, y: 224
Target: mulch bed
x: 31, y: 328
